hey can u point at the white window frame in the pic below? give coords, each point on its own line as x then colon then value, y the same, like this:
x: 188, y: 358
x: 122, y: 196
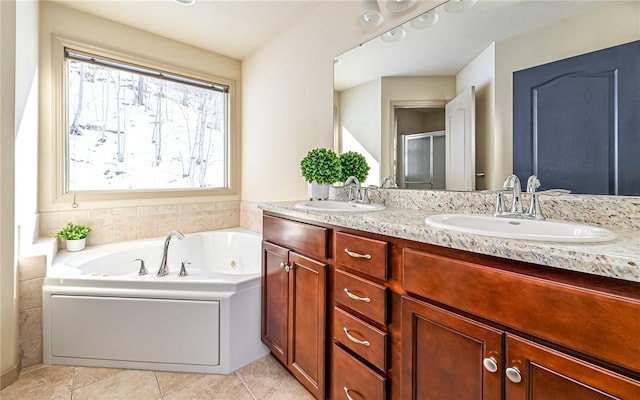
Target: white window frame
x: 54, y: 139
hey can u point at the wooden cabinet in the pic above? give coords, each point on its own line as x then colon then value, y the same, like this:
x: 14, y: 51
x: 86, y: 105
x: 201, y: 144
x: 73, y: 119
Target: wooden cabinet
x: 442, y: 347
x: 408, y: 320
x: 535, y: 372
x: 294, y: 302
x: 443, y: 355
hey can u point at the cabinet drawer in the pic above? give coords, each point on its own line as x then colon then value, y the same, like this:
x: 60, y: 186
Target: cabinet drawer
x: 590, y: 321
x: 362, y: 254
x: 360, y: 337
x: 307, y: 239
x: 361, y: 295
x: 353, y: 379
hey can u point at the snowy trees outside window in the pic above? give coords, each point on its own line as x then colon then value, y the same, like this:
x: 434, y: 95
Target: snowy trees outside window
x: 130, y: 130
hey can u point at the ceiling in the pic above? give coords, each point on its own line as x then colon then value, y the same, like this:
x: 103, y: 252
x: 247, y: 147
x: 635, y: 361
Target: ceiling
x: 236, y: 28
x: 231, y: 28
x: 444, y: 49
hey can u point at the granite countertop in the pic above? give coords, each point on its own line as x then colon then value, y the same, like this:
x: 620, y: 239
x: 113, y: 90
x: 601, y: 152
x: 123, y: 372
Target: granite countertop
x: 619, y: 258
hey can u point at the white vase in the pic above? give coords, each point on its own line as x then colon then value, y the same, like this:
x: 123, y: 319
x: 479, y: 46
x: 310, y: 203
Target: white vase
x: 318, y: 191
x: 76, y: 245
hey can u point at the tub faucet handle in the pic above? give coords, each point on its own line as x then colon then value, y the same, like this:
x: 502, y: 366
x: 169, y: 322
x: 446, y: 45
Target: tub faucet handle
x: 183, y: 269
x: 143, y: 269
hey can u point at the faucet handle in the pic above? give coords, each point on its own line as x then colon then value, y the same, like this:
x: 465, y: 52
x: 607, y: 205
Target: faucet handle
x: 183, y: 269
x: 532, y: 184
x: 143, y: 270
x: 365, y: 195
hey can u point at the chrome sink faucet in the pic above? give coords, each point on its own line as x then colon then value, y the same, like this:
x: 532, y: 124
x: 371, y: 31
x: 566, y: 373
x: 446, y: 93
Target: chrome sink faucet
x: 513, y: 183
x: 164, y: 264
x: 358, y: 188
x: 391, y: 180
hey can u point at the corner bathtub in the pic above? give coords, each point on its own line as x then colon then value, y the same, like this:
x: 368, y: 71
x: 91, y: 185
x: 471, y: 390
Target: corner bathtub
x: 97, y: 310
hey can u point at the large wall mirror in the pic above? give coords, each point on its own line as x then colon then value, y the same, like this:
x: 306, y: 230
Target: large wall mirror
x: 391, y: 95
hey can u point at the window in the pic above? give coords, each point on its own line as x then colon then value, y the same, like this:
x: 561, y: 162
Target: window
x: 130, y: 127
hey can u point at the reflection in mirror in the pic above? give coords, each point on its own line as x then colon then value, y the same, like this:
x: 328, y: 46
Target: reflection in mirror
x: 482, y: 47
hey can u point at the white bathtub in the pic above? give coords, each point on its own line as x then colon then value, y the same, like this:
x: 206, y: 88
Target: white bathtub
x: 97, y: 310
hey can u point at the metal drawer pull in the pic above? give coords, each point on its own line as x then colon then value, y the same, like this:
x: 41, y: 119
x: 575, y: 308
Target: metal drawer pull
x: 354, y: 339
x: 346, y: 392
x: 490, y: 364
x: 513, y: 374
x: 357, y: 255
x: 353, y: 296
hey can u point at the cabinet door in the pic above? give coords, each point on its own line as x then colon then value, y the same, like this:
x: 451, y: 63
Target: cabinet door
x: 535, y: 372
x: 443, y: 355
x: 307, y: 313
x: 275, y: 299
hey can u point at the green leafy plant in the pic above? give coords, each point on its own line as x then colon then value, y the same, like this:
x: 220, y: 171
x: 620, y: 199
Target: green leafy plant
x: 73, y: 232
x: 321, y: 165
x: 354, y: 164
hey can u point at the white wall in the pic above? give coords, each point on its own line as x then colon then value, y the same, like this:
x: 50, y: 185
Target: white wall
x: 18, y: 72
x: 609, y: 25
x: 288, y: 96
x: 26, y: 162
x: 481, y: 73
x: 359, y: 124
x: 9, y: 325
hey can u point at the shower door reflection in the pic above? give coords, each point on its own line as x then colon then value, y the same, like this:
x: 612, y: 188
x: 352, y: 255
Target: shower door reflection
x: 422, y: 161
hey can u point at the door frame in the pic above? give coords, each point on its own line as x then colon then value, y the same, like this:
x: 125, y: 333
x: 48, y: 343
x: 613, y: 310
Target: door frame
x: 393, y: 121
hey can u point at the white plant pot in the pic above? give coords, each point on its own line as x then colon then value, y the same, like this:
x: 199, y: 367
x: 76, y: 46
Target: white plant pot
x: 76, y: 245
x: 318, y: 192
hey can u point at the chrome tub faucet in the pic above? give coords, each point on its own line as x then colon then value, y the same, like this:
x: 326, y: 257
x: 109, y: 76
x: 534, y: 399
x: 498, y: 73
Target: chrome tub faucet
x: 164, y: 265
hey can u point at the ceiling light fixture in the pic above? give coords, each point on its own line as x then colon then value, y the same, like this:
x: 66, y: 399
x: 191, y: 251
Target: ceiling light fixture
x: 186, y: 2
x: 456, y: 6
x: 370, y: 16
x: 425, y: 21
x: 394, y: 35
x: 398, y: 6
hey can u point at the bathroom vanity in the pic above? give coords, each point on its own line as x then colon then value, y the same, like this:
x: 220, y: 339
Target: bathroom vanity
x: 391, y: 309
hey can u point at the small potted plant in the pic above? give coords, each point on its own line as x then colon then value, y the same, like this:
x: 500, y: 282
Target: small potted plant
x: 354, y: 164
x: 320, y: 167
x: 74, y: 235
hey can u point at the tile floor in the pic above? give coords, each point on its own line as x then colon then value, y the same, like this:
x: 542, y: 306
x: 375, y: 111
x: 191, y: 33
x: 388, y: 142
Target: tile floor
x: 262, y: 379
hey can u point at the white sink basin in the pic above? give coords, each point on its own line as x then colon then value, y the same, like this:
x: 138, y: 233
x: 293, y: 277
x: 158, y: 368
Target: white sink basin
x: 513, y: 228
x: 338, y: 206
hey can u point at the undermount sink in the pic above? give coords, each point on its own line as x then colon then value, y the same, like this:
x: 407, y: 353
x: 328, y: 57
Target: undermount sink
x: 338, y: 206
x: 517, y: 228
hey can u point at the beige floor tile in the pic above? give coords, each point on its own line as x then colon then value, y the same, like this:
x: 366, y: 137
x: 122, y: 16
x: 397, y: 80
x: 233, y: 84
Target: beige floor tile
x: 268, y: 379
x: 87, y: 375
x: 48, y: 382
x: 171, y: 381
x: 127, y: 384
x: 212, y: 387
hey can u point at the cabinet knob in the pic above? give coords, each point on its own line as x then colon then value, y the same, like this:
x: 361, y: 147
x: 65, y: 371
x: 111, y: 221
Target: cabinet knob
x: 513, y: 374
x: 346, y: 392
x: 490, y: 364
x: 354, y: 339
x: 357, y: 255
x: 282, y: 265
x: 287, y: 268
x: 355, y: 297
